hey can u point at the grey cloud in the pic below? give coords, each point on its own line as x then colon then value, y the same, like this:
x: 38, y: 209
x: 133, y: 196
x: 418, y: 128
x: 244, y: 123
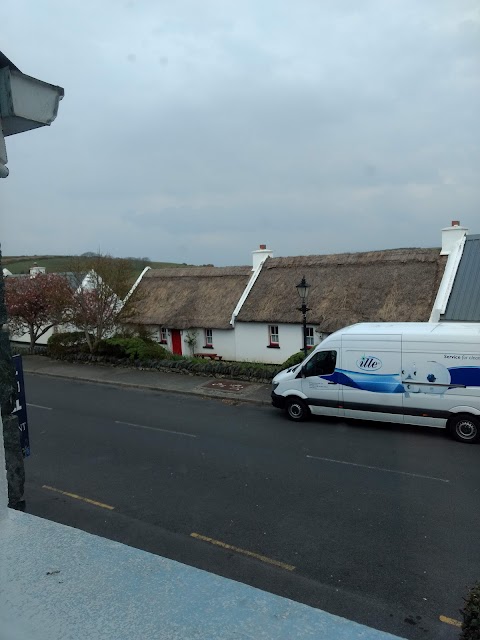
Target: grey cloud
x: 314, y: 127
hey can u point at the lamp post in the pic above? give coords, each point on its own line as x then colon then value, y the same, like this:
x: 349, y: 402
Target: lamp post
x: 302, y: 289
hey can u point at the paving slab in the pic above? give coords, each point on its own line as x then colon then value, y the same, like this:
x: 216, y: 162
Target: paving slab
x: 175, y: 382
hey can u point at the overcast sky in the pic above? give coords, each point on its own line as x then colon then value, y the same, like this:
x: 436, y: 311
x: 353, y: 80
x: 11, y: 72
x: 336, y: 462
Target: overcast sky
x: 194, y: 131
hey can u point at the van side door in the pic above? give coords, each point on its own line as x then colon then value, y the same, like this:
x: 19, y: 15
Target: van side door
x: 319, y: 383
x: 371, y: 377
x: 430, y: 381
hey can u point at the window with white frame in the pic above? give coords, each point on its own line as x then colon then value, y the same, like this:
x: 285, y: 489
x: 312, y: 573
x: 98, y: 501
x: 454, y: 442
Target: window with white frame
x: 208, y: 338
x: 163, y: 335
x: 273, y: 335
x: 310, y: 337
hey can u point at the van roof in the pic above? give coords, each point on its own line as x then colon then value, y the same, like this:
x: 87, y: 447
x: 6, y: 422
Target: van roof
x: 457, y: 329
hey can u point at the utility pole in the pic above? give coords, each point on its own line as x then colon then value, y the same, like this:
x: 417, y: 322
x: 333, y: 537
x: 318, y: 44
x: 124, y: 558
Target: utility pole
x: 11, y: 432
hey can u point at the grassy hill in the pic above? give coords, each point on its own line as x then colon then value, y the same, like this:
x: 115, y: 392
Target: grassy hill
x: 59, y: 264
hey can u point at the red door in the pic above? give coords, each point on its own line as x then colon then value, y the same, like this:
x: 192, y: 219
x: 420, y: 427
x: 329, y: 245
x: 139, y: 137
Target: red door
x: 176, y: 342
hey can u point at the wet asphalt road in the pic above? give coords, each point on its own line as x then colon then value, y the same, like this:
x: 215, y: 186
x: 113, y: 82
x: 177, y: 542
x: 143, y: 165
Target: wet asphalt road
x: 376, y: 523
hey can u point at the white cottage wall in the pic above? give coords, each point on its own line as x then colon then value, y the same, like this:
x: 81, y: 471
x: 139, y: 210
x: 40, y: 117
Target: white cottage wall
x: 25, y: 338
x: 252, y: 342
x: 223, y: 343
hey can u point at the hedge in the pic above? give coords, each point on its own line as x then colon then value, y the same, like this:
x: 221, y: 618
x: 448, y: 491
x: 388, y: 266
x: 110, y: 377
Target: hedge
x: 187, y: 366
x: 68, y: 342
x: 134, y: 348
x: 293, y: 360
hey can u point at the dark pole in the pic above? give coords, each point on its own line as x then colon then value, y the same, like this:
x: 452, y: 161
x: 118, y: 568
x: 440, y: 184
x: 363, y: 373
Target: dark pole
x: 304, y: 311
x: 302, y: 289
x: 11, y: 433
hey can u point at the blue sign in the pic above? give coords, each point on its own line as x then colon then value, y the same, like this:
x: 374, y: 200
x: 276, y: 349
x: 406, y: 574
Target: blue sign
x: 21, y: 406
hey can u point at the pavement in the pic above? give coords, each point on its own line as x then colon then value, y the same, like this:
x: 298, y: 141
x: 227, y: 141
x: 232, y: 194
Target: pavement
x: 60, y: 583
x: 211, y: 387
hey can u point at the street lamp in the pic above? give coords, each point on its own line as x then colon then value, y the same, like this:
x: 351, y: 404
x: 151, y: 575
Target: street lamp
x: 302, y: 289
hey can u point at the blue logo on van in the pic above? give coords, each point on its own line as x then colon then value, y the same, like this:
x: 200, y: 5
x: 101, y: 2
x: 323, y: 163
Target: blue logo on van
x: 369, y: 363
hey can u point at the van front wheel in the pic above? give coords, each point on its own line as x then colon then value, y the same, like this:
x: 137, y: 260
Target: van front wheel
x: 465, y: 428
x: 296, y: 409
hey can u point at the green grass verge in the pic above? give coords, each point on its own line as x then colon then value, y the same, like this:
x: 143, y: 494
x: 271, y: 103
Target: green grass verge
x: 61, y: 264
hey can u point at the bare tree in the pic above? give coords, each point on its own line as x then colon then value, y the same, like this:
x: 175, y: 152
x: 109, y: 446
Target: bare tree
x: 101, y: 285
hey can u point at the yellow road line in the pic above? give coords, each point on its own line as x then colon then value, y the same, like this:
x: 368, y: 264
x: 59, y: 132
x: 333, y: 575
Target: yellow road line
x: 250, y: 554
x: 452, y: 621
x: 77, y: 497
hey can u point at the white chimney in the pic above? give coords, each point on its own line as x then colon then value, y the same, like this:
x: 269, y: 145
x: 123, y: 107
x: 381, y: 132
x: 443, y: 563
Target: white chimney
x: 450, y: 237
x: 35, y: 270
x: 260, y: 255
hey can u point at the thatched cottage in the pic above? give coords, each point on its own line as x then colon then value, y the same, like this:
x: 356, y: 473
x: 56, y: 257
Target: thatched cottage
x: 385, y: 286
x: 189, y: 309
x: 251, y: 313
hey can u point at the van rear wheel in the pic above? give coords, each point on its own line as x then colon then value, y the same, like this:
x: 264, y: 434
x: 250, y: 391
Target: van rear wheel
x: 297, y: 410
x: 465, y: 428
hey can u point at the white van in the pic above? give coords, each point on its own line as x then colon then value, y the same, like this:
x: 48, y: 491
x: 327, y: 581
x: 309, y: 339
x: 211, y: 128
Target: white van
x: 412, y: 373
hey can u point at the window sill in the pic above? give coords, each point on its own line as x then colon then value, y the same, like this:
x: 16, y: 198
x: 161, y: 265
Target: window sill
x: 162, y: 342
x: 208, y: 346
x: 273, y: 346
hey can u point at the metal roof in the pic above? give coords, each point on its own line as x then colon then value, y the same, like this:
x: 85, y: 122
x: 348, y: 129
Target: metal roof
x: 464, y: 301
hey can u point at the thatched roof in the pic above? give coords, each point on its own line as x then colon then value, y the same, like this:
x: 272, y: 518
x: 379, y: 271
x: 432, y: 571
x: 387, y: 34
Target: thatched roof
x: 183, y: 298
x: 396, y: 285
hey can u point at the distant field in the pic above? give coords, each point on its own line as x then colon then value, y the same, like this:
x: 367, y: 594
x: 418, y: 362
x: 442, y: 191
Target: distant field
x: 58, y: 264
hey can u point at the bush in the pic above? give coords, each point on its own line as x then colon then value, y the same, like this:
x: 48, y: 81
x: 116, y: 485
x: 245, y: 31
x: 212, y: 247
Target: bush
x: 293, y: 360
x: 60, y: 344
x: 471, y: 615
x: 133, y: 348
x: 107, y: 348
